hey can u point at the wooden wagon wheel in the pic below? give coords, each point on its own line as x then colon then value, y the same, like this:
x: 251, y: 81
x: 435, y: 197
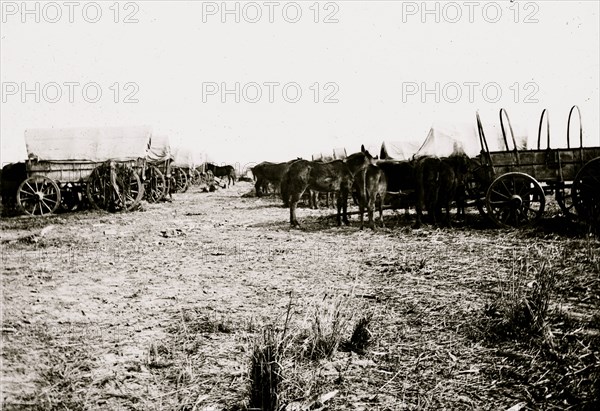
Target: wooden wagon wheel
x: 114, y: 187
x: 195, y: 177
x: 564, y: 198
x: 181, y: 180
x: 155, y: 185
x: 38, y: 195
x: 586, y: 193
x: 564, y: 195
x: 515, y: 200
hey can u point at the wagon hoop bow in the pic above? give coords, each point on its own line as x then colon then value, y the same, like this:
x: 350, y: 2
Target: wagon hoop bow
x: 569, y: 127
x: 580, y: 131
x: 539, y: 141
x: 503, y: 115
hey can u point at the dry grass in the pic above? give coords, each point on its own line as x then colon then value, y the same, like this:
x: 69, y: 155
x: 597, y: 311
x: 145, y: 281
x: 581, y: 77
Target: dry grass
x: 192, y: 310
x: 520, y: 308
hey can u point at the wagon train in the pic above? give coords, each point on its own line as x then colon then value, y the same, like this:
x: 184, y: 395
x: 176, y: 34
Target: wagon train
x: 520, y: 179
x: 67, y: 167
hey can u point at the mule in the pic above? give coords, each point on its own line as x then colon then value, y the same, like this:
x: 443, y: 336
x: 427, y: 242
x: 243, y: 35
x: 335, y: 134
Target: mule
x: 222, y: 171
x: 439, y: 181
x: 335, y: 176
x: 373, y: 179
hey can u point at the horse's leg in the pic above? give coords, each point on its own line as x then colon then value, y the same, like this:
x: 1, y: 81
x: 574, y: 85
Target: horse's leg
x: 258, y: 187
x: 380, y: 206
x: 370, y: 206
x: 419, y: 206
x: 343, y: 195
x: 295, y: 197
x: 361, y: 210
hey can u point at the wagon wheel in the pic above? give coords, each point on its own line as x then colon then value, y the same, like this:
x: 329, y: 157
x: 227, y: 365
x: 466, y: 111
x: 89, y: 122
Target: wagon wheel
x: 38, y: 195
x: 477, y: 183
x: 586, y: 193
x: 155, y: 185
x: 476, y: 192
x: 114, y: 187
x: 192, y: 177
x: 515, y: 200
x: 181, y: 180
x: 564, y: 198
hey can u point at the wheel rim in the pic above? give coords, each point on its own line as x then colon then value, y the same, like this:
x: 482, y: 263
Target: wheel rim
x: 130, y: 187
x: 564, y: 198
x: 99, y: 188
x: 586, y: 193
x: 180, y: 180
x: 155, y: 185
x: 515, y: 200
x: 38, y: 196
x: 124, y: 195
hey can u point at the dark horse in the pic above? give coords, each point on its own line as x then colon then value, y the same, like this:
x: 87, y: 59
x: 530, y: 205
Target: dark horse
x: 266, y: 172
x: 222, y: 171
x: 371, y: 185
x: 334, y: 176
x: 439, y: 183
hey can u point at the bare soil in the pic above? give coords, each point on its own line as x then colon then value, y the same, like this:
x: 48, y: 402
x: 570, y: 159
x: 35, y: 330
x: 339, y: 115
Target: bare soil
x: 159, y: 309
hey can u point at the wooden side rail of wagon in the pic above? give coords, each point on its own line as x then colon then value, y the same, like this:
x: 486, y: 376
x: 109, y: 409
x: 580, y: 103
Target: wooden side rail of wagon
x: 520, y: 179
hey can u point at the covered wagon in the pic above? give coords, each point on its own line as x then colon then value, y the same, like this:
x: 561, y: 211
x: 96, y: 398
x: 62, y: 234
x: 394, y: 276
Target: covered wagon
x: 186, y: 160
x: 66, y: 166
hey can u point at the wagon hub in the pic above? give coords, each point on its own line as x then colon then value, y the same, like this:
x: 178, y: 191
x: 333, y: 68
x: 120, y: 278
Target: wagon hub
x: 40, y: 195
x: 516, y: 201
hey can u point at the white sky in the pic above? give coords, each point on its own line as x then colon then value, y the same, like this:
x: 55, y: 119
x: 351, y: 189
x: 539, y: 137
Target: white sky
x: 370, y: 53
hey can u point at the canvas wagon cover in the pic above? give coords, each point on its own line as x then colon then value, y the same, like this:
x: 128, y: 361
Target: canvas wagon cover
x: 445, y: 139
x: 160, y: 148
x: 88, y: 144
x: 322, y: 157
x: 187, y: 157
x: 399, y: 150
x: 339, y: 153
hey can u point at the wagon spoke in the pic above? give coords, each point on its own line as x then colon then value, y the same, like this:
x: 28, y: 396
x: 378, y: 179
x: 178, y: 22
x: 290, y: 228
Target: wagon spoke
x: 499, y: 203
x: 31, y: 188
x: 43, y: 203
x: 28, y: 193
x: 500, y: 194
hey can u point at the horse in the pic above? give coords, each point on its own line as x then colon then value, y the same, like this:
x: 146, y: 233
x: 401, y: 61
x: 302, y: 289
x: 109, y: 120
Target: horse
x: 334, y: 176
x: 222, y: 171
x: 439, y: 183
x: 374, y: 184
x: 265, y: 173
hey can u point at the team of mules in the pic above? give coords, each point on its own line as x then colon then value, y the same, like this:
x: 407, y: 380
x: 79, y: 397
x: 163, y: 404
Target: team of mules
x: 429, y: 184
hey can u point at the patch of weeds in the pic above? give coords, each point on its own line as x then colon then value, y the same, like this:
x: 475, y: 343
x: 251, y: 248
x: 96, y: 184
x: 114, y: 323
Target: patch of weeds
x: 521, y: 307
x: 266, y: 371
x: 329, y: 323
x: 63, y: 378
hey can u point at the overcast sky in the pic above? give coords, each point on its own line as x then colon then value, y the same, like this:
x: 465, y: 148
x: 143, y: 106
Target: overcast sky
x: 372, y: 60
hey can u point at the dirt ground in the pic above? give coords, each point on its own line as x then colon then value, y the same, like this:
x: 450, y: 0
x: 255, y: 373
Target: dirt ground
x: 159, y: 309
